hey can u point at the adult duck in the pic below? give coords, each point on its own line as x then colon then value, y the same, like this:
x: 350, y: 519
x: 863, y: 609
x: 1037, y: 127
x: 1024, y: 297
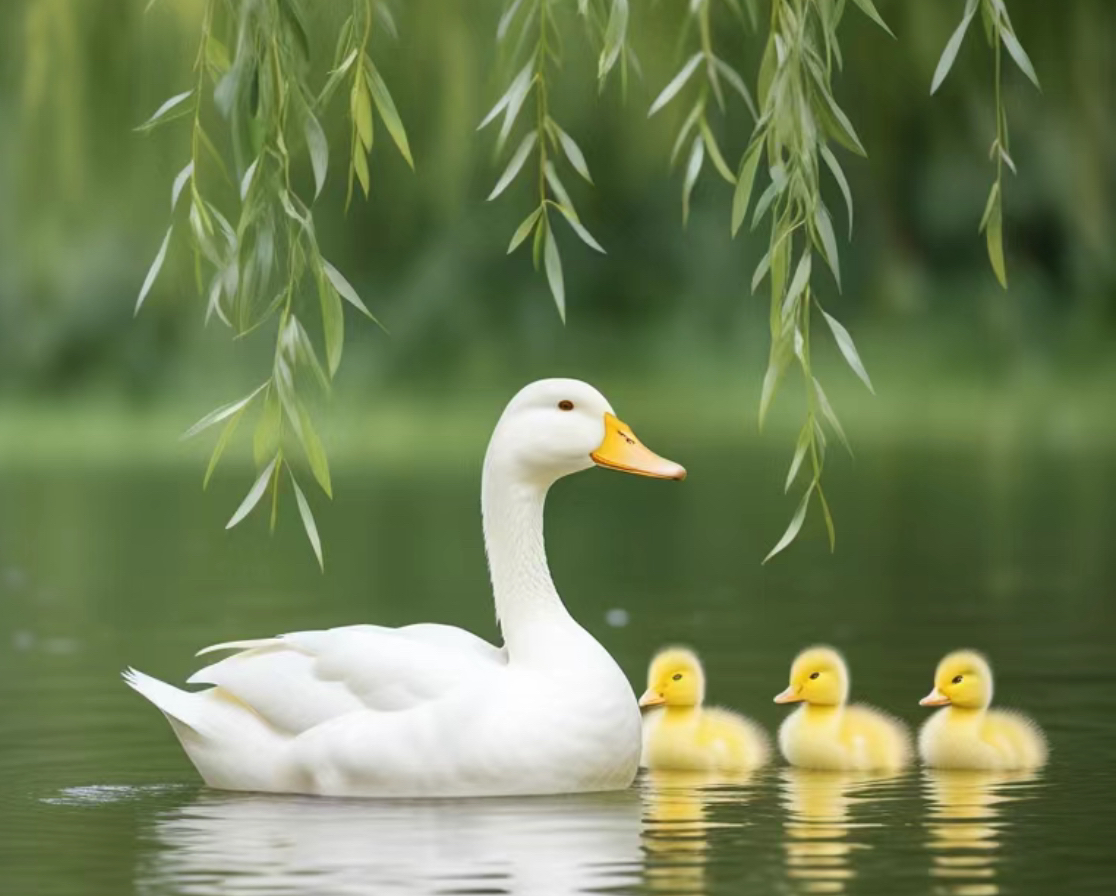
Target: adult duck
x: 433, y: 710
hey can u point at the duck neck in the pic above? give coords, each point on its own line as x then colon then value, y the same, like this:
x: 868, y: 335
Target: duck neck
x: 526, y: 600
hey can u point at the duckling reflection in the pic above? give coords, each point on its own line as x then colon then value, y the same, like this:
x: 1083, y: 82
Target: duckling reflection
x: 250, y: 844
x: 966, y: 819
x: 677, y: 824
x: 821, y: 828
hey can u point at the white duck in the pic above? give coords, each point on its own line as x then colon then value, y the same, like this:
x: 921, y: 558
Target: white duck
x: 433, y: 710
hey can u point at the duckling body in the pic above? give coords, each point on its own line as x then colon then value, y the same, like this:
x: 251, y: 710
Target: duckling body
x: 684, y: 735
x: 965, y: 733
x: 826, y: 733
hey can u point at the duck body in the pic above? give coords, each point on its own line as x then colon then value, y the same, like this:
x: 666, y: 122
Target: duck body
x: 431, y: 710
x: 965, y: 733
x: 844, y: 738
x: 826, y: 733
x: 680, y: 734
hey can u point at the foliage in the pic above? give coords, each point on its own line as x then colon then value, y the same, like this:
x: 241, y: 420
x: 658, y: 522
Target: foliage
x: 538, y: 46
x: 269, y: 266
x: 999, y: 31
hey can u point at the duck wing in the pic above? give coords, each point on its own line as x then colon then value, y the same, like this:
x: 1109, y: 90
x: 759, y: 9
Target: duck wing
x: 302, y: 679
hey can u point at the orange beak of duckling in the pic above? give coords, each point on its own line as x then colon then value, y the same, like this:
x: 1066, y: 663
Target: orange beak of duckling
x: 651, y: 698
x: 935, y: 698
x: 790, y: 695
x: 620, y: 450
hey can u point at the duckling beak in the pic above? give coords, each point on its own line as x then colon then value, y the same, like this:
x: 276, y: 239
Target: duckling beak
x: 790, y: 695
x: 651, y: 698
x: 934, y: 698
x: 622, y: 451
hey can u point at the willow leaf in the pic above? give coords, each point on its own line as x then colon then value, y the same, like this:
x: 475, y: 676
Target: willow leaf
x: 170, y: 110
x: 614, y: 36
x: 345, y: 288
x: 515, y: 165
x: 385, y: 105
x: 743, y: 192
x: 153, y: 271
x: 1019, y: 55
x: 800, y: 448
x: 824, y: 228
x: 994, y: 233
x: 308, y: 522
x: 715, y: 153
x: 524, y: 229
x: 693, y: 169
x: 318, y: 148
x: 573, y: 152
x: 554, y: 274
x: 586, y: 237
x: 839, y: 176
x: 830, y: 415
x: 222, y: 413
x: 848, y: 348
x: 676, y: 84
x: 254, y: 495
x: 180, y: 181
x: 949, y: 54
x: 795, y: 524
x: 869, y: 10
x: 222, y: 444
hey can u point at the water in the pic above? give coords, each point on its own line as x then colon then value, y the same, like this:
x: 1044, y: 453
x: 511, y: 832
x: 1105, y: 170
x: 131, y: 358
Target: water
x: 1011, y: 553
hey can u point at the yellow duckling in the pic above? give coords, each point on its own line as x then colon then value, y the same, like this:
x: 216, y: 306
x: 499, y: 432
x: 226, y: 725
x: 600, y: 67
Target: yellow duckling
x: 825, y: 733
x: 966, y: 734
x: 684, y: 736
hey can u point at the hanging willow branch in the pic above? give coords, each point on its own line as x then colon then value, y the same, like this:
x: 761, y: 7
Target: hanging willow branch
x: 255, y: 56
x: 999, y: 31
x: 538, y: 45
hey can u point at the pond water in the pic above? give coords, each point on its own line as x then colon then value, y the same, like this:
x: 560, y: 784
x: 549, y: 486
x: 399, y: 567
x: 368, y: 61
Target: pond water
x: 1011, y: 552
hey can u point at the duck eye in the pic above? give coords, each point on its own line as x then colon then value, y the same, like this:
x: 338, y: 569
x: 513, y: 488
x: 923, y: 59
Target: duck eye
x: 957, y: 679
x: 677, y: 676
x: 814, y: 675
x: 565, y: 405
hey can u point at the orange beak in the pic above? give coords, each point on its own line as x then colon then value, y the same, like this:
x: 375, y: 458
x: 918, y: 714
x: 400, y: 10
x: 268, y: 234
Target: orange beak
x: 934, y: 698
x: 651, y: 698
x: 790, y: 695
x: 622, y: 451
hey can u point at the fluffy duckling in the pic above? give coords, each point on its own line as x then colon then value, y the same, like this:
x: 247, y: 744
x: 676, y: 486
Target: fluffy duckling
x: 965, y: 733
x: 825, y: 733
x: 685, y: 736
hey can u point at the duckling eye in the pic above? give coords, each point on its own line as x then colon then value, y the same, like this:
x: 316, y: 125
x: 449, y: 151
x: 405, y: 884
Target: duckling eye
x: 814, y: 675
x: 677, y: 676
x: 957, y: 679
x: 565, y: 405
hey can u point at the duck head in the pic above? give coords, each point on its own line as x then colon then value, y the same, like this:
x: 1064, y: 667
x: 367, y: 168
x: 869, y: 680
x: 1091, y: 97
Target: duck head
x: 962, y: 679
x: 556, y: 427
x: 675, y: 678
x: 819, y: 677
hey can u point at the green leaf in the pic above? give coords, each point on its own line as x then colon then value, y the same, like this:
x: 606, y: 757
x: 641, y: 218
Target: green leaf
x: 315, y: 451
x: 153, y: 271
x: 693, y: 169
x: 360, y: 166
x: 743, y: 192
x: 847, y: 131
x: 524, y: 229
x: 764, y: 202
x: 386, y: 107
x: 554, y: 273
x: 994, y: 233
x: 795, y: 524
x: 361, y: 110
x: 993, y: 198
x: 830, y: 415
x: 308, y: 522
x: 519, y: 85
x: 347, y: 292
x: 1019, y: 55
x: 945, y: 63
x: 848, y: 348
x: 800, y: 449
x: 180, y: 182
x: 173, y: 108
x: 614, y: 37
x: 824, y: 228
x: 828, y: 519
x: 246, y: 181
x: 572, y: 151
x: 839, y: 176
x: 519, y: 90
x: 507, y: 18
x: 254, y: 494
x: 761, y: 270
x: 586, y: 237
x: 269, y: 428
x: 537, y: 243
x: 798, y: 282
x: 222, y: 443
x: 333, y: 321
x: 518, y: 159
x: 318, y: 148
x: 870, y: 10
x: 222, y: 413
x: 715, y: 153
x: 684, y: 131
x: 676, y: 84
x: 556, y: 185
x: 776, y: 364
x: 737, y: 84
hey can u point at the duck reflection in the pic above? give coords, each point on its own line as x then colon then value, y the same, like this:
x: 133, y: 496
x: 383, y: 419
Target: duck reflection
x: 239, y: 844
x: 677, y: 824
x: 966, y: 820
x: 821, y: 830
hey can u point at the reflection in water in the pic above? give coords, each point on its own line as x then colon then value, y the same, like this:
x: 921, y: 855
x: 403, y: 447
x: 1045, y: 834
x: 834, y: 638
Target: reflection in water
x: 821, y: 832
x: 677, y: 826
x: 965, y: 824
x: 237, y: 844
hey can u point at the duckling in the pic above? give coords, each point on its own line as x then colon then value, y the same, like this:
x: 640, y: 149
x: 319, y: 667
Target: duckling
x: 826, y: 733
x: 685, y: 736
x: 965, y: 733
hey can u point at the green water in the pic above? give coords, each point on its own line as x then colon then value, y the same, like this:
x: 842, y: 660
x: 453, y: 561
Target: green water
x: 1011, y: 551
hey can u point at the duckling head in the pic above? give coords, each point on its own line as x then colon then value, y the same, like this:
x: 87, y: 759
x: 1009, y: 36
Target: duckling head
x: 819, y: 677
x: 675, y: 678
x: 962, y: 679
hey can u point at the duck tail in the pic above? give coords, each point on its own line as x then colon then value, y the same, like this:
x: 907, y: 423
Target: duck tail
x: 179, y: 706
